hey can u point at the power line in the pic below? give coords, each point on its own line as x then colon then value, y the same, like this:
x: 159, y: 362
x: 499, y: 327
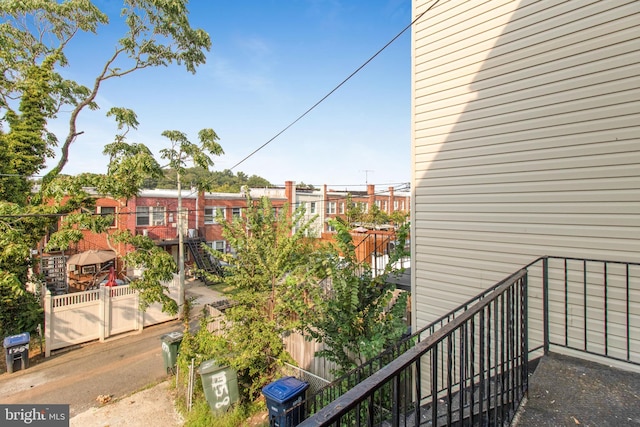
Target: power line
x: 335, y: 88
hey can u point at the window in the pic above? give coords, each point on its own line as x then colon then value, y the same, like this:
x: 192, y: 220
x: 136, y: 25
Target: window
x: 312, y: 207
x: 88, y: 269
x: 402, y: 205
x: 150, y: 215
x: 158, y: 216
x: 236, y: 212
x: 342, y: 207
x: 385, y: 206
x: 395, y: 205
x: 211, y: 214
x: 331, y: 208
x: 379, y: 204
x: 108, y: 210
x: 330, y: 229
x: 218, y: 245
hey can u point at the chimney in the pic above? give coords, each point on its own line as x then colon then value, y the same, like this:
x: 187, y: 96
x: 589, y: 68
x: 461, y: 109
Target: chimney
x: 391, y: 199
x: 290, y: 193
x: 371, y: 192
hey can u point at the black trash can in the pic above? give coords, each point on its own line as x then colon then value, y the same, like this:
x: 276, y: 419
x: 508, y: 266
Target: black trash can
x: 281, y: 396
x: 170, y: 345
x: 16, y: 348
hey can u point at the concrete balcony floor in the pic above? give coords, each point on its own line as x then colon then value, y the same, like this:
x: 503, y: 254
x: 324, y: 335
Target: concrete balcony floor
x: 565, y: 391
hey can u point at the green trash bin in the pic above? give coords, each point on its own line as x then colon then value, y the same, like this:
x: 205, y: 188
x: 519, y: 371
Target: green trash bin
x: 170, y: 345
x: 220, y: 384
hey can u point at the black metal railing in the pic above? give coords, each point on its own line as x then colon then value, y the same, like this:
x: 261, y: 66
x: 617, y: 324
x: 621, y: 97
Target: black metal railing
x: 474, y: 360
x: 587, y: 306
x: 205, y: 263
x: 472, y: 369
x: 313, y: 403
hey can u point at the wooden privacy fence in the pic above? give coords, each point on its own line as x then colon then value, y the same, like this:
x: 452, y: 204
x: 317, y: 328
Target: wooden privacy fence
x: 300, y: 349
x: 98, y: 314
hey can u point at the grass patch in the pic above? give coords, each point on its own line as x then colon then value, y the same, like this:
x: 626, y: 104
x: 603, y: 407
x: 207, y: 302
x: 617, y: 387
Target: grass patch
x: 248, y: 415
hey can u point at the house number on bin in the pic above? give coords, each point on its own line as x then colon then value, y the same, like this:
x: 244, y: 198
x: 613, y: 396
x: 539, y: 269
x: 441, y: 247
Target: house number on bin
x: 219, y: 385
x: 165, y: 347
x: 15, y: 350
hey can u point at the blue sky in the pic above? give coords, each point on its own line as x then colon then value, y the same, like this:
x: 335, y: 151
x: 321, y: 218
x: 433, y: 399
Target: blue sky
x: 270, y: 61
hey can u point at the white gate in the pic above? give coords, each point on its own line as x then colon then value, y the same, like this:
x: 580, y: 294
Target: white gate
x: 98, y: 314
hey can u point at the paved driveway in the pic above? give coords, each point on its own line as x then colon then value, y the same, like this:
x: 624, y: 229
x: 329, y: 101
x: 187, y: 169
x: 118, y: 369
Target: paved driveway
x: 118, y: 367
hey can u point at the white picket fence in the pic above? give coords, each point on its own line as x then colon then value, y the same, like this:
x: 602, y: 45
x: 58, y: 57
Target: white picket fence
x: 98, y: 314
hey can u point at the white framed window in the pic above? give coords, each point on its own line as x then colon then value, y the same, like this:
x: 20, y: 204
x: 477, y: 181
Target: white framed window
x: 402, y: 205
x: 211, y: 214
x: 150, y: 215
x: 378, y: 204
x: 312, y: 207
x: 108, y: 210
x: 236, y: 212
x: 331, y: 208
x: 342, y: 207
x: 385, y: 206
x: 218, y: 245
x: 395, y: 205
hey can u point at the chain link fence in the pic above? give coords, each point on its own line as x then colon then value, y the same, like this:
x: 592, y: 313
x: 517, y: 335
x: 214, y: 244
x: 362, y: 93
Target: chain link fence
x: 316, y: 383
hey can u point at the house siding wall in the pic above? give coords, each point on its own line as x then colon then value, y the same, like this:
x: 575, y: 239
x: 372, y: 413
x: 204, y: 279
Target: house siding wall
x: 526, y: 132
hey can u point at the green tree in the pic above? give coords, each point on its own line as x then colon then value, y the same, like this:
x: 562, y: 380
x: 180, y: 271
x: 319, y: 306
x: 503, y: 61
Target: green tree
x: 375, y: 216
x: 182, y: 151
x: 267, y: 277
x: 157, y: 266
x: 353, y: 319
x: 33, y: 37
x: 353, y: 211
x: 399, y: 217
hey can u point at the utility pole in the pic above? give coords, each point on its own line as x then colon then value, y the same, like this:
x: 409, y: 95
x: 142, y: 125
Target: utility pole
x: 180, y: 252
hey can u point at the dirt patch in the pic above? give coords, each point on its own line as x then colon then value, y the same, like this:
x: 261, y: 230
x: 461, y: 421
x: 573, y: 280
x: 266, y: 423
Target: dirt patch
x: 154, y: 405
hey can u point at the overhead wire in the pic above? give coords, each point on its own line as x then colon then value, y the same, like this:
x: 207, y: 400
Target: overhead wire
x: 301, y: 116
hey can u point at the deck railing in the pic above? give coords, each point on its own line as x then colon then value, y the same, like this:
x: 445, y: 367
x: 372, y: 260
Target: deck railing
x: 472, y: 368
x: 589, y: 306
x: 313, y: 403
x: 471, y: 365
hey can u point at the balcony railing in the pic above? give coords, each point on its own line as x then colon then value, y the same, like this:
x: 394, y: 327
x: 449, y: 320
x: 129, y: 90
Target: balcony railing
x: 471, y: 366
x: 587, y: 307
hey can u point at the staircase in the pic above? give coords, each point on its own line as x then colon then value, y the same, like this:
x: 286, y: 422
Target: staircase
x: 203, y: 260
x: 54, y: 269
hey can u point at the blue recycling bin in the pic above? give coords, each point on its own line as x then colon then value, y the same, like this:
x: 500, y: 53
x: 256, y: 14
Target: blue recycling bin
x: 281, y: 396
x: 16, y: 348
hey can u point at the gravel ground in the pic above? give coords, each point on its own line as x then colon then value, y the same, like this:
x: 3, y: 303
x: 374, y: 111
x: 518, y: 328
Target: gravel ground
x: 153, y: 406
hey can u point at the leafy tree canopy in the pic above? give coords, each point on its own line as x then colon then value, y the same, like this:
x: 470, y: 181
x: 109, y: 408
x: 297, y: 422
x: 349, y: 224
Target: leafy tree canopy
x: 356, y: 317
x: 217, y: 181
x: 270, y: 250
x: 34, y: 35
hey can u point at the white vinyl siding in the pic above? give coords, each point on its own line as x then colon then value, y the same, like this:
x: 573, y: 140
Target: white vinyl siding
x: 526, y: 125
